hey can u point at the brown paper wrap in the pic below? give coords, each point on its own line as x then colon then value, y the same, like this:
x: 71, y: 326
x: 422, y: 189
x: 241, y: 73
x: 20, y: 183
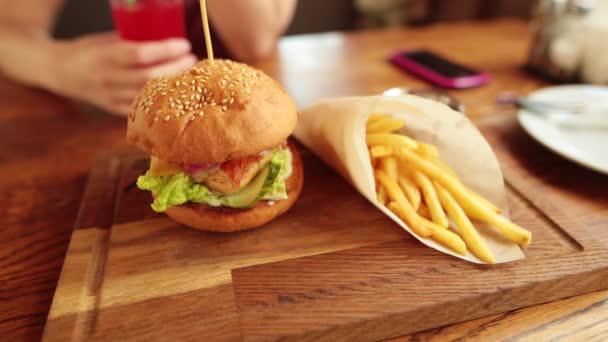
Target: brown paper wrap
x: 334, y: 129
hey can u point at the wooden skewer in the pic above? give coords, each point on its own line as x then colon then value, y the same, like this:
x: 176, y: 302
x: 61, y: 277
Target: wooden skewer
x: 206, y: 30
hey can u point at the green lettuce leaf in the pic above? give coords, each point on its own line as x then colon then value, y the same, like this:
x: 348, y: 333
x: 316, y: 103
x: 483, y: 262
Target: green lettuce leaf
x: 277, y: 190
x: 201, y: 194
x: 169, y: 190
x: 273, y: 174
x: 154, y: 184
x: 178, y: 189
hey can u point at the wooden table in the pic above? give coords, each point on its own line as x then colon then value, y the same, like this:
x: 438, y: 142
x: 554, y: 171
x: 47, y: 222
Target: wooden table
x: 48, y: 144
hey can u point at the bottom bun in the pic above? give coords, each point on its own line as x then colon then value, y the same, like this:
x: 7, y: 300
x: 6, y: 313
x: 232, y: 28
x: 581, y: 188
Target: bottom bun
x: 223, y: 219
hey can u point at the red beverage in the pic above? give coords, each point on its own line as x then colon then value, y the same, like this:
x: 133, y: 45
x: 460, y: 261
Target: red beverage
x: 141, y: 20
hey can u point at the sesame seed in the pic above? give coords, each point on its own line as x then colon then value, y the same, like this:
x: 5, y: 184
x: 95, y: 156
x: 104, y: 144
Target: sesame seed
x: 225, y: 101
x: 177, y: 83
x: 212, y: 104
x: 193, y: 96
x: 192, y: 118
x: 172, y: 104
x: 224, y: 108
x: 155, y: 119
x: 201, y: 113
x: 193, y: 82
x: 187, y: 103
x: 231, y: 100
x: 198, y: 97
x: 178, y: 101
x: 199, y: 89
x: 180, y: 107
x: 167, y: 118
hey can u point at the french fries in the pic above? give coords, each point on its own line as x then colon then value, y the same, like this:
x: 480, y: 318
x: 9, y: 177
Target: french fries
x: 404, y: 208
x: 469, y: 234
x: 439, y: 234
x: 389, y: 166
x: 431, y: 200
x: 427, y: 150
x: 382, y: 198
x: 411, y: 191
x: 375, y: 117
x: 424, y: 211
x: 485, y: 202
x: 389, y: 139
x: 414, y: 183
x: 380, y: 151
x: 384, y: 126
x: 442, y: 165
x: 471, y: 205
x: 446, y: 238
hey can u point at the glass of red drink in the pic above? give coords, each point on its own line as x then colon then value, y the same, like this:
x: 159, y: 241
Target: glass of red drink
x: 141, y: 20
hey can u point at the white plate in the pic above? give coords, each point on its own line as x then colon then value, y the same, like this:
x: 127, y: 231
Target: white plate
x: 588, y: 147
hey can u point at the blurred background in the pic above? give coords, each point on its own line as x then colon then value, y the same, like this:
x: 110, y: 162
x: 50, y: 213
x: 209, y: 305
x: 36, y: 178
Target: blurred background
x: 565, y: 33
x: 342, y: 15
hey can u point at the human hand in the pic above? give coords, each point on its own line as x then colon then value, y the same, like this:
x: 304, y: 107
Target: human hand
x: 104, y: 70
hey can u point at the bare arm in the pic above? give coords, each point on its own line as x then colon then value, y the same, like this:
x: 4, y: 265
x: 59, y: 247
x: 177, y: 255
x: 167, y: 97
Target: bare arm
x: 250, y: 28
x: 99, y: 68
x: 24, y: 33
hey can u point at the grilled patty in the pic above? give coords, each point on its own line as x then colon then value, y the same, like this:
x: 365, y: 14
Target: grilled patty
x: 227, y: 178
x: 234, y: 174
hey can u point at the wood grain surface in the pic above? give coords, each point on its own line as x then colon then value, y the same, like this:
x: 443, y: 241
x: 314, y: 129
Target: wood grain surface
x: 49, y: 144
x: 333, y: 268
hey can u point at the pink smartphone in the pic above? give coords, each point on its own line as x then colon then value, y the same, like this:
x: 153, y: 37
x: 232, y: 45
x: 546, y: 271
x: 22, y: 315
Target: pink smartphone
x: 438, y: 70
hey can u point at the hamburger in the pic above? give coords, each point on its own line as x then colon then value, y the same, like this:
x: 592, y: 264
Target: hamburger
x: 217, y: 135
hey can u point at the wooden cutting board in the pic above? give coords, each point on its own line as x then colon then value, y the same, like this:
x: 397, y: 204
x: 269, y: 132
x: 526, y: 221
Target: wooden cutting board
x: 333, y: 268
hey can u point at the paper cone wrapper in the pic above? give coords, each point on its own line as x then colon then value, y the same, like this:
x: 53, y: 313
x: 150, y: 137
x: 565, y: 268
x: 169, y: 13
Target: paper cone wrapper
x: 334, y: 130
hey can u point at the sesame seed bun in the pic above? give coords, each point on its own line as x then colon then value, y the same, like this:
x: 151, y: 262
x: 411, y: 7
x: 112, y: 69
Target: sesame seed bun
x: 211, y: 113
x: 221, y: 219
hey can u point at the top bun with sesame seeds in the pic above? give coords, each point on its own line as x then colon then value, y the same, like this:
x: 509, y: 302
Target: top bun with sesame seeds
x: 217, y: 134
x: 214, y: 112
